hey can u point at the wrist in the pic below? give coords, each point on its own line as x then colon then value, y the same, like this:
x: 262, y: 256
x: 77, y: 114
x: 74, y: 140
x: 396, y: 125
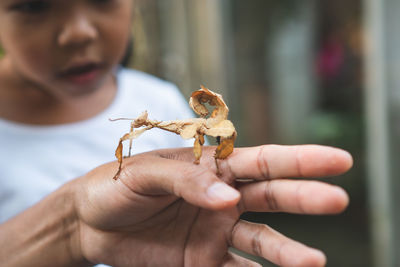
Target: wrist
x: 47, y: 234
x: 72, y: 226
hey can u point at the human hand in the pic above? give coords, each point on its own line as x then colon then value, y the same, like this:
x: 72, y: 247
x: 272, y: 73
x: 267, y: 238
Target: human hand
x: 166, y: 211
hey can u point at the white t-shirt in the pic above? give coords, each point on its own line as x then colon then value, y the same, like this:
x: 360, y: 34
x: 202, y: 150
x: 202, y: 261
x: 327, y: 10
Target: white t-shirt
x: 36, y: 160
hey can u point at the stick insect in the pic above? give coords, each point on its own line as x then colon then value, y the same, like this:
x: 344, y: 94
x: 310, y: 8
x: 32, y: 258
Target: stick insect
x: 215, y: 124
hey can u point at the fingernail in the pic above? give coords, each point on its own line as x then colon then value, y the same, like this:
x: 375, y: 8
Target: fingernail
x: 321, y: 256
x: 221, y: 191
x: 346, y: 155
x: 343, y: 196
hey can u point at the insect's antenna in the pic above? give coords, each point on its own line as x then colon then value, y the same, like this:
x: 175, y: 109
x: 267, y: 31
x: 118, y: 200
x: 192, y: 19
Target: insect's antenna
x: 121, y: 119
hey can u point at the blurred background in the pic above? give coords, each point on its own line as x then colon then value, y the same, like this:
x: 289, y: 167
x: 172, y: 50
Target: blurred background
x: 297, y: 72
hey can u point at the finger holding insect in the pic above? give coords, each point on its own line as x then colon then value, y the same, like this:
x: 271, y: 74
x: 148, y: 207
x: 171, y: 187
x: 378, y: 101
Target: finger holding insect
x: 277, y: 161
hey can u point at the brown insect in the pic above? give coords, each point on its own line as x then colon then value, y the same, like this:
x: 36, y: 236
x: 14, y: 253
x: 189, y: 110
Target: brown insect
x: 214, y: 124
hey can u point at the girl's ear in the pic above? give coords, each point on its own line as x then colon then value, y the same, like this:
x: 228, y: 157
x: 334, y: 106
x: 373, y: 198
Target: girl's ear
x: 128, y: 53
x: 1, y: 48
x: 1, y: 51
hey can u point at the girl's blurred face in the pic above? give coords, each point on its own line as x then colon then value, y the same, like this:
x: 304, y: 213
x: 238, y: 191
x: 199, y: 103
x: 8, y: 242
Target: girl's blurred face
x: 67, y: 47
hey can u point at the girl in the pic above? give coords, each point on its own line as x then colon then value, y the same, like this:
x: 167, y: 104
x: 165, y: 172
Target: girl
x: 59, y: 84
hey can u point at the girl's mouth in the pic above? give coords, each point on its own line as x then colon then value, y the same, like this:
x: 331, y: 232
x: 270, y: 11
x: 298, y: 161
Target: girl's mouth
x: 82, y: 74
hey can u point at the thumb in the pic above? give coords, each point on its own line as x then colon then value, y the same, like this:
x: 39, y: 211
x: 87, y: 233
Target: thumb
x: 198, y: 185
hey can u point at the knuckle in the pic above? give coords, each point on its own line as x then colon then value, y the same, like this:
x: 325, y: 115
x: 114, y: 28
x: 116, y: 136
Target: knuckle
x: 191, y: 178
x: 232, y: 235
x: 299, y: 198
x: 270, y: 198
x: 187, y: 174
x: 262, y: 162
x: 256, y: 240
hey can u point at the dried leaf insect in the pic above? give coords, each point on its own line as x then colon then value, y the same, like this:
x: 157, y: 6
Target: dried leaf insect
x: 214, y: 124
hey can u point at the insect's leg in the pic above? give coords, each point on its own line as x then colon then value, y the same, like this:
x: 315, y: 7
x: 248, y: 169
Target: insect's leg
x: 219, y: 173
x: 118, y: 153
x: 218, y: 139
x: 130, y: 140
x: 197, y: 147
x: 197, y: 150
x: 224, y: 149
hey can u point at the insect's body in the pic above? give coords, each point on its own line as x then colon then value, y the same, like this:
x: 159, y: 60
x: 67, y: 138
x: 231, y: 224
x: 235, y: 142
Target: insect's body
x: 216, y: 125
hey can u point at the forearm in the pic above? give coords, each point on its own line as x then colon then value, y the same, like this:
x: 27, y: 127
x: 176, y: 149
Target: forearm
x: 46, y: 234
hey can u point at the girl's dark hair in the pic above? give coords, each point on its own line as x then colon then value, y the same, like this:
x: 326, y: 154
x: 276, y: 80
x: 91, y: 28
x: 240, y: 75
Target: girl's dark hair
x: 128, y: 53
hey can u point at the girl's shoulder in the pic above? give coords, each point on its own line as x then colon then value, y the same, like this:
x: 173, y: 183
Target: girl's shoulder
x: 143, y: 83
x: 147, y: 92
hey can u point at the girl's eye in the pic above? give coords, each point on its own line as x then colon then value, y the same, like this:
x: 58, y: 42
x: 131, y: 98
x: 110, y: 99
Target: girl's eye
x: 101, y: 1
x: 32, y: 7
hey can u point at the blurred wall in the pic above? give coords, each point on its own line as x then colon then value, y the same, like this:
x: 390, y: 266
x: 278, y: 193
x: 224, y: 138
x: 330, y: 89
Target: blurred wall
x: 291, y: 72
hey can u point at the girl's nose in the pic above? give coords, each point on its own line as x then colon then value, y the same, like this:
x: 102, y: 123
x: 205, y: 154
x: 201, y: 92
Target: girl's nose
x: 77, y: 31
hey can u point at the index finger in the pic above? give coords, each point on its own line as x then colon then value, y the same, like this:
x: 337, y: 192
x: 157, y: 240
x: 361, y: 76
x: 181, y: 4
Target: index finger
x: 276, y: 161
